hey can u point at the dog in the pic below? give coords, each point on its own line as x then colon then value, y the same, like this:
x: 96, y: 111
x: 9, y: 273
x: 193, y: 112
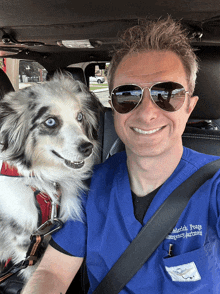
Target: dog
x: 49, y: 132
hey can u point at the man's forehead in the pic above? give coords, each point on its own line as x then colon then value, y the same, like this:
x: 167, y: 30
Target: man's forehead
x: 152, y: 75
x: 166, y: 59
x: 150, y: 67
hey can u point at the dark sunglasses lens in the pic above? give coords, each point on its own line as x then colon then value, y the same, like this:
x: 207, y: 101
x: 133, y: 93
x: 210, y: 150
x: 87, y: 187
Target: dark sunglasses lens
x: 126, y: 98
x: 168, y: 96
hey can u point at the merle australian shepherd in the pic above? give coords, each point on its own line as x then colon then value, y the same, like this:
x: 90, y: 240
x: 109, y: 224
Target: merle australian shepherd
x: 49, y: 133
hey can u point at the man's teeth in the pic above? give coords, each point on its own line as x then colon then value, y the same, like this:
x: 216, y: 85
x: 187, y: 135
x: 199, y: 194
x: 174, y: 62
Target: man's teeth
x: 146, y: 132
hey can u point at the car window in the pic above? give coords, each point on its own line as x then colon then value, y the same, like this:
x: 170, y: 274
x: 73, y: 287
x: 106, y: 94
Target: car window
x: 99, y: 85
x: 23, y: 73
x: 31, y: 72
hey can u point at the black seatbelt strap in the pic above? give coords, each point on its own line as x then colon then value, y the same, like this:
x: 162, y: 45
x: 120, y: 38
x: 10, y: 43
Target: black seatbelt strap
x: 154, y: 232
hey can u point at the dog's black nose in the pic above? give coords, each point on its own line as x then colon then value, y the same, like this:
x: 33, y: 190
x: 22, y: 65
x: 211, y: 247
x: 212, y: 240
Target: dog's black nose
x: 85, y: 148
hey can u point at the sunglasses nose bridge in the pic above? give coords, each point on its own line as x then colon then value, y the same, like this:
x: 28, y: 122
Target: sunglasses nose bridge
x: 146, y: 102
x: 147, y: 94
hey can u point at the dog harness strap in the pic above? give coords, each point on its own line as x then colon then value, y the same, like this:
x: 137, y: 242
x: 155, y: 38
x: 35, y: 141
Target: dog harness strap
x: 44, y: 202
x: 9, y: 170
x: 5, y: 276
x: 31, y: 258
x: 33, y: 250
x: 12, y: 271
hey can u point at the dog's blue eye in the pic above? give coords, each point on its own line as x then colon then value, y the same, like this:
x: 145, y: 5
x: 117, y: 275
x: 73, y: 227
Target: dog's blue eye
x: 50, y: 122
x: 80, y: 116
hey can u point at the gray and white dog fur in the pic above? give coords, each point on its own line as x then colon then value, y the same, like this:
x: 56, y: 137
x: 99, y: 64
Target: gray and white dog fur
x: 49, y: 133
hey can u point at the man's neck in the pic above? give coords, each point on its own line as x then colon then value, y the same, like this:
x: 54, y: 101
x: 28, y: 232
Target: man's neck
x: 148, y: 173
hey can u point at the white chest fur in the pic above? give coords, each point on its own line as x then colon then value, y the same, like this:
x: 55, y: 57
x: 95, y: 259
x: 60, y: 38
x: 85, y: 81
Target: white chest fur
x: 17, y: 201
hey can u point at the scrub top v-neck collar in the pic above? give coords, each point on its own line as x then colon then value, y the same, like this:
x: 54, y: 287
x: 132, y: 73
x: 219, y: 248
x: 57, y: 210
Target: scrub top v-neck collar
x: 124, y: 196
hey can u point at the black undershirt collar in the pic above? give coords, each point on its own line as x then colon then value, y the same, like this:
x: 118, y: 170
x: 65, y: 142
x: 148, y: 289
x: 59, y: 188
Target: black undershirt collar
x: 141, y: 204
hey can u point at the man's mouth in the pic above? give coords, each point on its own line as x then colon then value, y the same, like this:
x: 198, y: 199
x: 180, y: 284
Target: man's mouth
x: 147, y: 132
x: 72, y: 164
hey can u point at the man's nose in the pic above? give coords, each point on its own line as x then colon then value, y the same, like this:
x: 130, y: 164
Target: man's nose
x: 147, y: 105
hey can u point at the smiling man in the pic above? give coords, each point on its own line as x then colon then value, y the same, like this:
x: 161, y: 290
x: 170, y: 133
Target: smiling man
x: 152, y: 136
x: 151, y: 79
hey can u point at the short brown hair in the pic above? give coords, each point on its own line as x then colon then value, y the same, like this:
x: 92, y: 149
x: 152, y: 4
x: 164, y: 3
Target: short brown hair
x: 162, y: 35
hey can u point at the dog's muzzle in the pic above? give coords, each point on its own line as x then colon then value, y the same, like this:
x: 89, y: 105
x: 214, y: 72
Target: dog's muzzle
x: 85, y: 149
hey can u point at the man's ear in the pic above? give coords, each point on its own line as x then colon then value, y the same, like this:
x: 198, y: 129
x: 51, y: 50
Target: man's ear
x: 192, y: 103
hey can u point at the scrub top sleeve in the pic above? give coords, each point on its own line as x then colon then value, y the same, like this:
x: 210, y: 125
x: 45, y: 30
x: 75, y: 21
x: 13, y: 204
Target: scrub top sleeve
x: 71, y: 239
x: 57, y: 247
x: 218, y: 210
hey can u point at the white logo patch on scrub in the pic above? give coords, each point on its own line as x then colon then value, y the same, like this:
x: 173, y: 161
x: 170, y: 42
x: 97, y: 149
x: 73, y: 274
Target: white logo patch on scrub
x: 184, y: 273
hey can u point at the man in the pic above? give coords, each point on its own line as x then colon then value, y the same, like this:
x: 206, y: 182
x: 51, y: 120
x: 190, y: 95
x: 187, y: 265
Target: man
x: 151, y: 80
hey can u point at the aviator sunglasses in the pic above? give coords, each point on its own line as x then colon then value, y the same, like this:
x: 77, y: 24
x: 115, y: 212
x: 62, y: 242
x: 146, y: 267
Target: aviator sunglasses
x: 168, y: 96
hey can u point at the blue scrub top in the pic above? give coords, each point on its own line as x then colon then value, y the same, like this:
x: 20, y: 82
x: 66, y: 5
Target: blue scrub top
x: 110, y: 226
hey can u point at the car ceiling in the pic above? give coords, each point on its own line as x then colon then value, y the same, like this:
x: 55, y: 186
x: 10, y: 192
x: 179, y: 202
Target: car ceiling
x: 35, y: 29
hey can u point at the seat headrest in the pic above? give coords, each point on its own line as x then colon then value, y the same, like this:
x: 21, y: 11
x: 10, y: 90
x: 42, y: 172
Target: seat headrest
x: 5, y: 84
x: 76, y: 72
x: 208, y: 84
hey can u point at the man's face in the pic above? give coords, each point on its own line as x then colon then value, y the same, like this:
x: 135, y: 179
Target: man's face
x: 148, y: 130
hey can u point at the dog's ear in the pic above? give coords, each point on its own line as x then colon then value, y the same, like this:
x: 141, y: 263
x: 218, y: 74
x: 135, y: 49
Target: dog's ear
x: 92, y: 112
x: 13, y: 128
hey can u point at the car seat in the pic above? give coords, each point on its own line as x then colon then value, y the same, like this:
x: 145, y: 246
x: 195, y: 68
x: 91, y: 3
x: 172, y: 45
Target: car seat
x: 5, y: 84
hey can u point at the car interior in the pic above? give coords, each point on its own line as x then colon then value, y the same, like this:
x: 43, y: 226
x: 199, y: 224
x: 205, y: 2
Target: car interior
x: 63, y: 34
